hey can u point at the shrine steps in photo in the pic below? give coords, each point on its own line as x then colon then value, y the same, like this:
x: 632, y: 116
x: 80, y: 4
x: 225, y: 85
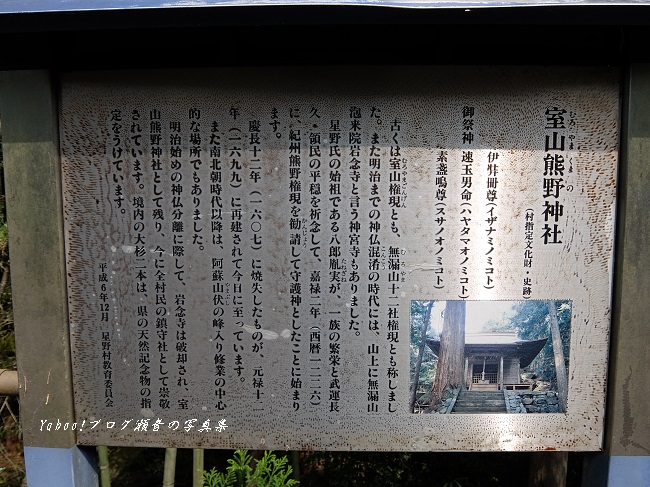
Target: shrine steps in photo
x: 477, y: 402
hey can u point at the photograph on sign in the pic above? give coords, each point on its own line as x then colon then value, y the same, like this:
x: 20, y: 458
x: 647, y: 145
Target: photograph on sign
x: 252, y: 254
x: 489, y: 356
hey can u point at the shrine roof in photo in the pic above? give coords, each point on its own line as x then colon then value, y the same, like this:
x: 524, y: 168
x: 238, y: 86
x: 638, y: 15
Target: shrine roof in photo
x: 491, y: 344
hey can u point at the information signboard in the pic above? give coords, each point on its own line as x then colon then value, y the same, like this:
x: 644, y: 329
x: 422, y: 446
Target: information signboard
x: 333, y: 258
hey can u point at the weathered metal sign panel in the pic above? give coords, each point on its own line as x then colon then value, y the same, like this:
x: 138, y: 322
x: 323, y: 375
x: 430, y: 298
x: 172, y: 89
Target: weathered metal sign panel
x: 254, y: 254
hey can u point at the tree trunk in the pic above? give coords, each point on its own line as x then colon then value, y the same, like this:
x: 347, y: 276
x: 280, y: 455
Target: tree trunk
x: 558, y: 352
x: 450, y: 369
x: 548, y: 469
x: 418, y: 364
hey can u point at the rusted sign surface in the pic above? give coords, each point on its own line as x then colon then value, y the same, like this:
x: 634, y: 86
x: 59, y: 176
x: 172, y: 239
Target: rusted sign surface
x: 255, y: 254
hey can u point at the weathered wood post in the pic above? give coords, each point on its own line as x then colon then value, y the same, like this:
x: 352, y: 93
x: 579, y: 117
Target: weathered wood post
x: 626, y: 457
x: 28, y: 107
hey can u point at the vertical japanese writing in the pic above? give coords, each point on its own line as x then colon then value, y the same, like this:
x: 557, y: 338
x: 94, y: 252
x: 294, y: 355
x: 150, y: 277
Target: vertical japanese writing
x: 176, y: 178
x: 467, y: 162
x: 397, y: 177
x: 255, y: 220
x: 234, y: 151
x: 220, y: 300
x: 156, y: 152
x: 315, y: 394
x: 220, y: 286
x: 529, y: 228
x: 240, y: 245
x: 395, y: 275
x: 336, y: 260
x: 116, y: 144
x: 159, y: 259
x: 315, y: 191
x: 297, y: 225
x: 106, y: 343
x: 178, y: 253
x: 314, y: 236
x: 195, y: 153
x: 140, y: 254
x: 397, y: 172
x: 137, y: 153
x: 572, y: 137
x: 553, y: 181
x: 374, y: 285
x: 334, y: 361
x: 107, y: 369
x: 373, y: 378
x: 491, y: 187
x: 216, y: 186
x: 162, y: 328
x: 441, y: 174
x: 180, y: 314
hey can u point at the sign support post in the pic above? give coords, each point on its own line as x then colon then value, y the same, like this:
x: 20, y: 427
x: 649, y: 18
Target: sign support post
x: 35, y: 218
x: 626, y: 460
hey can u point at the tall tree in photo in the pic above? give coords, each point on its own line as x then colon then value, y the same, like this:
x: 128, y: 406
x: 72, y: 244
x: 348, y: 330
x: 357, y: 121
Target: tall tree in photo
x: 418, y: 362
x: 547, y: 319
x: 558, y: 352
x: 451, y: 363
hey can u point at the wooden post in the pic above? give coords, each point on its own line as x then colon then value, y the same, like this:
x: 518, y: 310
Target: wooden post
x: 28, y: 105
x: 626, y: 458
x: 548, y: 469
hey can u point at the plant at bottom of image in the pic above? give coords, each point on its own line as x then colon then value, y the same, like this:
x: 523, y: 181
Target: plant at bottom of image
x: 269, y: 471
x: 453, y: 483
